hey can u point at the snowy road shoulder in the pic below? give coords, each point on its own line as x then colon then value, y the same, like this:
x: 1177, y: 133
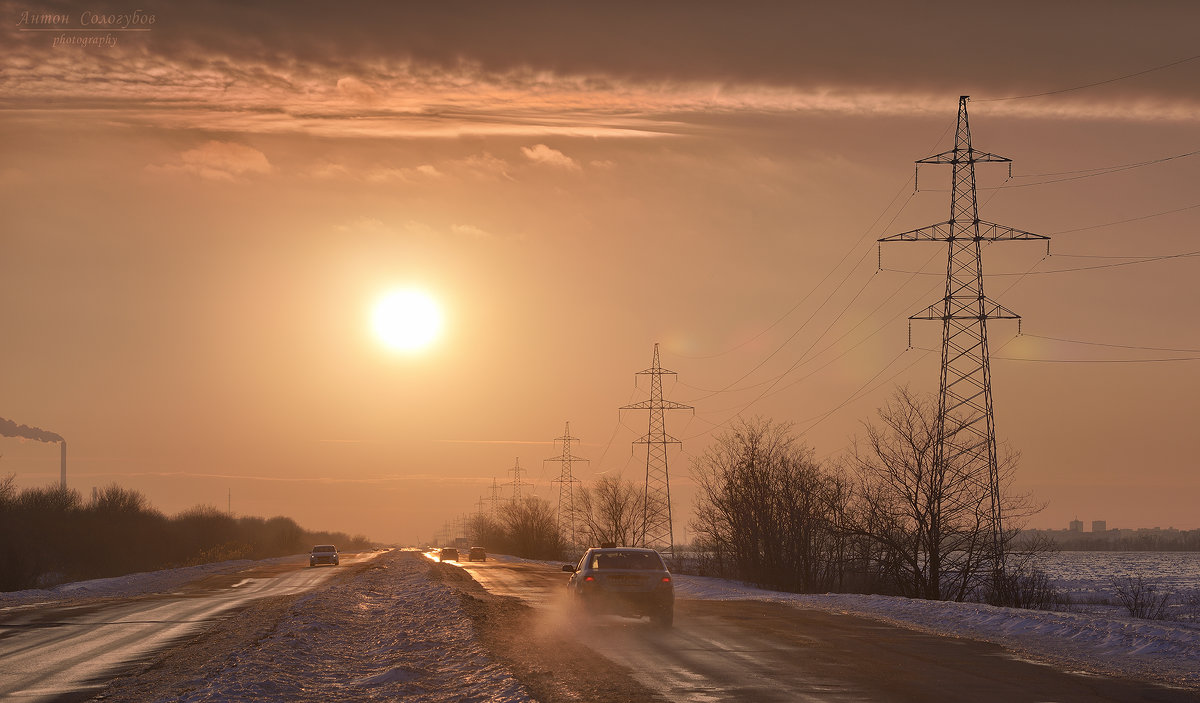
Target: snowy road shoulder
x: 1159, y: 651
x: 384, y: 632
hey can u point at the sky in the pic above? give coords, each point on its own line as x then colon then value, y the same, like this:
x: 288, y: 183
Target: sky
x: 201, y: 203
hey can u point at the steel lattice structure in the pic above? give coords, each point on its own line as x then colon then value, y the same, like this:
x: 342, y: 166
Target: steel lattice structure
x: 566, y: 486
x: 516, y: 483
x: 495, y: 497
x: 657, y: 531
x: 965, y: 422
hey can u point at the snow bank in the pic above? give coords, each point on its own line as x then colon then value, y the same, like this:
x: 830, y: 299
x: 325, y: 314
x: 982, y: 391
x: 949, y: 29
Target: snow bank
x: 387, y: 633
x: 1160, y: 651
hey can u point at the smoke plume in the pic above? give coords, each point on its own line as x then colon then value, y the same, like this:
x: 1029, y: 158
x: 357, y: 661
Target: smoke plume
x: 8, y: 428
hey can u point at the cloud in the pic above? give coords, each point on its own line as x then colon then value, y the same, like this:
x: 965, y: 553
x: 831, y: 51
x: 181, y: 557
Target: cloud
x: 219, y: 161
x: 356, y: 90
x: 471, y: 231
x: 542, y: 154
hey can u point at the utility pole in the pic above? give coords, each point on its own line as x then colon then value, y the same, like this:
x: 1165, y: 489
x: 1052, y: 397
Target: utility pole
x: 566, y: 487
x: 966, y: 431
x: 657, y: 531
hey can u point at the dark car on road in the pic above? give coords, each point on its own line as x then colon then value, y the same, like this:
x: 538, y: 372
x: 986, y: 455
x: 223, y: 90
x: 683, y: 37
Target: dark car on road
x: 623, y: 580
x: 324, y: 554
x: 477, y: 554
x: 448, y: 554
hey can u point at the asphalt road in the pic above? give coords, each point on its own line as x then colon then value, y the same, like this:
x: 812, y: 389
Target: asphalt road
x: 69, y: 652
x: 763, y: 652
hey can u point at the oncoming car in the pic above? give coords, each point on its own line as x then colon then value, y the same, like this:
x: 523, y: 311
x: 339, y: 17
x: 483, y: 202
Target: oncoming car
x: 623, y: 580
x: 477, y: 554
x: 323, y: 554
x: 448, y: 554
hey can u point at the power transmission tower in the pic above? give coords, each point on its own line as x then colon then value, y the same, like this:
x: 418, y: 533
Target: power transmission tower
x: 966, y: 431
x: 495, y: 498
x: 566, y: 486
x: 657, y: 532
x: 516, y: 483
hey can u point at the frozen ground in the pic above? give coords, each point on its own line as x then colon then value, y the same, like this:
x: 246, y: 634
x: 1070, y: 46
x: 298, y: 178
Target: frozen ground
x: 387, y: 633
x: 1162, y: 651
x: 391, y: 632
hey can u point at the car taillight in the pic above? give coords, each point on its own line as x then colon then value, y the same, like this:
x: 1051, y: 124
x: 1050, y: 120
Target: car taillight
x: 666, y: 579
x: 588, y: 578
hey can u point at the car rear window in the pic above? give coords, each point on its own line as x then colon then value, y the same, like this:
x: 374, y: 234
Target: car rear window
x: 649, y: 561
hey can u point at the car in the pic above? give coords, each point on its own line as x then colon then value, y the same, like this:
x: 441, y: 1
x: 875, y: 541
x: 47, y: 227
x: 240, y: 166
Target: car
x: 629, y: 581
x: 324, y: 554
x: 448, y: 554
x: 477, y: 554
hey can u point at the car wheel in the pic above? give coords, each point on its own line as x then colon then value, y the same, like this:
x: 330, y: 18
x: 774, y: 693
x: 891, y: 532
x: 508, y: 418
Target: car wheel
x: 664, y: 617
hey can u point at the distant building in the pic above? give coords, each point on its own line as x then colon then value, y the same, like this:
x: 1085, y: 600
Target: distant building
x: 1099, y: 526
x: 1077, y: 526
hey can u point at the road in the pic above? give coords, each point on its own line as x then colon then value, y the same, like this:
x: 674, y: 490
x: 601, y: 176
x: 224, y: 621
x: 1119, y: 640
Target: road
x: 68, y: 652
x: 762, y: 652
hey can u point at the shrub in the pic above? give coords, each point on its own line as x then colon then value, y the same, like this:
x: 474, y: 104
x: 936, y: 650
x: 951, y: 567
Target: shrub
x: 1141, y: 597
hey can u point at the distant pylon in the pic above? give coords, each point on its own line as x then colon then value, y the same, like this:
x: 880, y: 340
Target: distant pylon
x: 566, y: 487
x: 495, y: 497
x: 657, y: 531
x: 516, y: 483
x: 966, y: 430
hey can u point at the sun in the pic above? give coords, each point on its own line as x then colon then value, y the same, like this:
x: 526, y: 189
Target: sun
x: 407, y: 320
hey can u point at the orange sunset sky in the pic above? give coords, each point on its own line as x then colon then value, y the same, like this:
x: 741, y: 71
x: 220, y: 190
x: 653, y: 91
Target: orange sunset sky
x: 196, y: 222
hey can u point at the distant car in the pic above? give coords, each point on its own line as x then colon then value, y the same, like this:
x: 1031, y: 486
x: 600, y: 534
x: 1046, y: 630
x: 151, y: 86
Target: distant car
x: 623, y: 580
x: 323, y: 554
x: 477, y: 554
x: 448, y: 554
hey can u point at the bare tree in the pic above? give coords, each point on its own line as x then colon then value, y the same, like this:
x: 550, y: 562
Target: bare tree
x: 532, y: 529
x: 766, y: 505
x: 611, y: 511
x: 929, y: 522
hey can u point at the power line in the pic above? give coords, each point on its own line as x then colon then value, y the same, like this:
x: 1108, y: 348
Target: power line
x: 1132, y: 219
x: 1100, y: 170
x: 1089, y: 361
x: 1111, y: 346
x: 1146, y: 260
x: 1092, y: 85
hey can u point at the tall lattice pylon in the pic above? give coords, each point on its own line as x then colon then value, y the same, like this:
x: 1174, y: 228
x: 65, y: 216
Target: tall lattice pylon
x: 566, y: 487
x: 657, y: 531
x: 966, y: 431
x: 495, y: 498
x: 516, y: 483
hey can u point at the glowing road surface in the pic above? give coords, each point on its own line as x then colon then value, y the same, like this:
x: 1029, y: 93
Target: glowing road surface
x: 68, y: 652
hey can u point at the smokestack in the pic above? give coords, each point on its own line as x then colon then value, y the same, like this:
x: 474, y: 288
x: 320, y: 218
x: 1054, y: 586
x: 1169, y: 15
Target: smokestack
x: 63, y: 471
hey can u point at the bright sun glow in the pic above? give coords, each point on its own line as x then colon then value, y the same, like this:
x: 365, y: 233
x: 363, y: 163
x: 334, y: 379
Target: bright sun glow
x: 407, y: 320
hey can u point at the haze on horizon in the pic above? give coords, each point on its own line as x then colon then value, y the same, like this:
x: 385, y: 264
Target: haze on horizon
x: 199, y: 221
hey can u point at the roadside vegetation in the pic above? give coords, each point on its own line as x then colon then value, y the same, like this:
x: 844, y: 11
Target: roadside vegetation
x: 884, y: 518
x: 52, y: 535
